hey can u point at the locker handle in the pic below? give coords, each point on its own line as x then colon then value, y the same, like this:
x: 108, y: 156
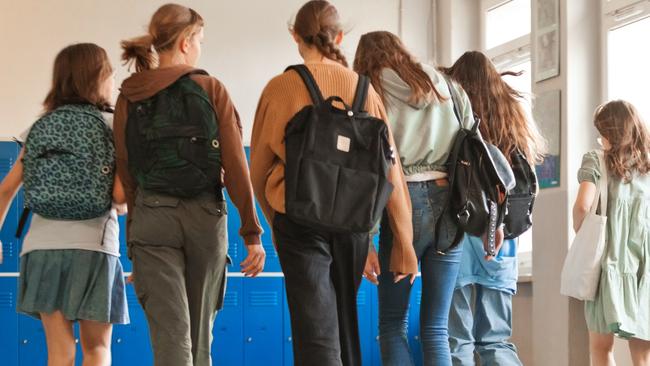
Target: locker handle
x: 25, y: 341
x: 289, y: 339
x: 249, y: 339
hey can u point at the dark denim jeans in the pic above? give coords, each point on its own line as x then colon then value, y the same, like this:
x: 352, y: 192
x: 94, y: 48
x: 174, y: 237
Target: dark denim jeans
x: 438, y: 279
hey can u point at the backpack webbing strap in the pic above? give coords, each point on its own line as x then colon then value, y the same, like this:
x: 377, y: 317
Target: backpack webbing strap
x: 361, y: 94
x: 453, y: 157
x: 22, y: 222
x: 309, y: 81
x: 454, y: 100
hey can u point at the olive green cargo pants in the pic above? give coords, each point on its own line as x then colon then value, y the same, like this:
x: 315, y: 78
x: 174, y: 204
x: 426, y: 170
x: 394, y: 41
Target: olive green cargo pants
x: 179, y: 251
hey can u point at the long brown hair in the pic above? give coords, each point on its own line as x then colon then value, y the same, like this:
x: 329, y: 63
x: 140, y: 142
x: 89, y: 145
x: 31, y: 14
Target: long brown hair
x: 379, y: 50
x: 620, y: 123
x: 317, y: 24
x: 168, y: 24
x: 503, y: 120
x: 79, y: 71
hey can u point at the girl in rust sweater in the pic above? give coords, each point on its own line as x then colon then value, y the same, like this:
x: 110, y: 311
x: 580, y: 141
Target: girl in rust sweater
x: 322, y: 270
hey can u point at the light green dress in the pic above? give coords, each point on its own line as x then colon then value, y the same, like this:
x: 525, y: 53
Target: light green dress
x: 622, y: 303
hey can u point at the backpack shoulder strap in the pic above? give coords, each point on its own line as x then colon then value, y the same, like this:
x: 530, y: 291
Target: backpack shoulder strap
x: 454, y: 100
x: 308, y: 79
x: 361, y: 94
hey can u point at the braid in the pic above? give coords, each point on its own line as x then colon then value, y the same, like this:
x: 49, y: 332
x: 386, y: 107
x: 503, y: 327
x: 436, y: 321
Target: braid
x: 323, y: 41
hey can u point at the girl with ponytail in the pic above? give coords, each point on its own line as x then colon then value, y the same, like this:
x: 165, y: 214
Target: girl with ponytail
x: 322, y: 269
x: 178, y: 142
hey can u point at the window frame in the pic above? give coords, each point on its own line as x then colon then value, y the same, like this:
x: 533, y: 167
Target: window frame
x: 508, y: 56
x: 617, y: 14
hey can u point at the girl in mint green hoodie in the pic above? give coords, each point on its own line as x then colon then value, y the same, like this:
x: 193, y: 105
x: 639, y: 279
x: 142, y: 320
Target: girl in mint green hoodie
x: 421, y: 116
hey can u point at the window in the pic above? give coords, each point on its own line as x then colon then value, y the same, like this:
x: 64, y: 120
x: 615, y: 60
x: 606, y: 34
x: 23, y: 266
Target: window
x: 628, y: 52
x: 507, y: 21
x: 506, y: 40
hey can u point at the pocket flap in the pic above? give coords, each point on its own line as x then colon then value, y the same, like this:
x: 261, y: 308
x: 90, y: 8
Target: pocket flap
x: 217, y: 208
x: 158, y: 200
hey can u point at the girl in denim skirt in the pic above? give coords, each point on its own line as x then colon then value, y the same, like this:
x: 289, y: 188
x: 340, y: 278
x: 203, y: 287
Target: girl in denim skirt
x: 70, y: 269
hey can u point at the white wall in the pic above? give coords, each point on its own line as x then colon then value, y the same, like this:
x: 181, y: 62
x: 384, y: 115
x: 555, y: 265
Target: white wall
x: 246, y: 42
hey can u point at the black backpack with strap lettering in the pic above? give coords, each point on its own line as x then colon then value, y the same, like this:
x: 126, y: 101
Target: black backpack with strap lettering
x: 479, y: 180
x: 337, y: 162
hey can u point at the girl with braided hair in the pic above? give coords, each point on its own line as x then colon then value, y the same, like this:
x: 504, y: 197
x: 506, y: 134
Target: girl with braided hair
x: 322, y: 269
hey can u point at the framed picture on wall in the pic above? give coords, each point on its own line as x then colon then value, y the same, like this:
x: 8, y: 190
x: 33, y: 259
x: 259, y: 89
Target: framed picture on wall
x: 547, y: 114
x: 547, y: 40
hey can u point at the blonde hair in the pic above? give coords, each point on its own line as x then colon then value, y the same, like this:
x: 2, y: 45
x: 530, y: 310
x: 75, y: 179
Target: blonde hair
x: 168, y: 24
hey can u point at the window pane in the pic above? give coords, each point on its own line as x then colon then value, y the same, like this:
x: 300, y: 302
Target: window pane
x: 628, y: 72
x: 507, y: 22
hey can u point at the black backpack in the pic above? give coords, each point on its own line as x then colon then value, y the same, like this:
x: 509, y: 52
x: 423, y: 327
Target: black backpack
x: 478, y: 175
x: 337, y: 162
x: 172, y: 141
x: 521, y: 198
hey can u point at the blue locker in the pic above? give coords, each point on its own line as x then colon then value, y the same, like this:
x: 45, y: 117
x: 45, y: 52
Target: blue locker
x: 235, y: 242
x: 8, y: 321
x: 131, y: 343
x: 263, y: 310
x: 414, y: 321
x: 374, y: 327
x: 364, y: 314
x: 236, y: 250
x: 228, y: 331
x: 286, y: 335
x: 126, y: 262
x: 10, y: 244
x: 31, y: 338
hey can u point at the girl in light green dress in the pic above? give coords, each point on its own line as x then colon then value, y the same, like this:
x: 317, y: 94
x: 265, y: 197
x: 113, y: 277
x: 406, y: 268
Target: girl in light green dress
x: 622, y: 303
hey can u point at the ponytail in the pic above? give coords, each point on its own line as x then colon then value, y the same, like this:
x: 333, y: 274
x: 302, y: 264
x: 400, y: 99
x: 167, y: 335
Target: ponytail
x: 139, y: 51
x: 168, y: 24
x: 317, y: 23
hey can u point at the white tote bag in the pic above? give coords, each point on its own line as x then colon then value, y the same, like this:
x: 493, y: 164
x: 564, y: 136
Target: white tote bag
x: 582, y: 266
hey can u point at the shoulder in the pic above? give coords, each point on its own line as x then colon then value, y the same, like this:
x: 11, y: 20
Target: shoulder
x: 590, y: 168
x: 209, y: 83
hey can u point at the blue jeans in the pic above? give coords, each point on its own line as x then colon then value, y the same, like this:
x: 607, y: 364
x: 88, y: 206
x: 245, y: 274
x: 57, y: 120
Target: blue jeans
x: 438, y: 279
x: 485, y: 331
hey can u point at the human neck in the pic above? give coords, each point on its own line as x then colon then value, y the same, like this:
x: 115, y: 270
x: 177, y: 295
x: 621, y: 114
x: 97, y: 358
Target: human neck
x: 171, y: 59
x: 312, y: 55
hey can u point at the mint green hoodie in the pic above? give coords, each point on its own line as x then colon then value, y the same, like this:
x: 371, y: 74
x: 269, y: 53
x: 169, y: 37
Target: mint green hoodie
x: 423, y: 130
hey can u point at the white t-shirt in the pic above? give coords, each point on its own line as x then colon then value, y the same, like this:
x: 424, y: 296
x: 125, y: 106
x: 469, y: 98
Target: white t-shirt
x: 100, y: 234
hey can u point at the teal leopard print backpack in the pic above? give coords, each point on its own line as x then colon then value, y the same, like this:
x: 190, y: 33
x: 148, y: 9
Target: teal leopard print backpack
x: 69, y: 164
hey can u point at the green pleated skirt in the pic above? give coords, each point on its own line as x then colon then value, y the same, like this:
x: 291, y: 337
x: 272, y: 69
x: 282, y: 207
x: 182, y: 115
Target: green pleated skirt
x: 82, y: 284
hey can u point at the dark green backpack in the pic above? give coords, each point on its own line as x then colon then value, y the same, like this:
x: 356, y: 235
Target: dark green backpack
x: 172, y: 141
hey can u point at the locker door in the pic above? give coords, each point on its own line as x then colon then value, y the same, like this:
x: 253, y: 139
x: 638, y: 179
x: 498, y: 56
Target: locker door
x: 126, y: 262
x: 364, y: 314
x: 235, y: 242
x: 414, y: 321
x: 10, y: 244
x: 9, y: 321
x: 263, y: 321
x: 228, y: 331
x: 286, y: 336
x: 131, y: 343
x: 31, y: 338
x: 374, y: 327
